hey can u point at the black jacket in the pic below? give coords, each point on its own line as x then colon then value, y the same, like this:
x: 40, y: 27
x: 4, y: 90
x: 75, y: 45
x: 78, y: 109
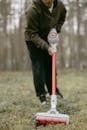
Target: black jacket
x: 39, y: 21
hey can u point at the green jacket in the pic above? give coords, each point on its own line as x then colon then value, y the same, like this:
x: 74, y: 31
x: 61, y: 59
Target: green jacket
x: 39, y: 21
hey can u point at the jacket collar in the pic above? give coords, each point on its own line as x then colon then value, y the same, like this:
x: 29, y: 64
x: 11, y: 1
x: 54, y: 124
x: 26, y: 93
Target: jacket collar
x: 42, y: 4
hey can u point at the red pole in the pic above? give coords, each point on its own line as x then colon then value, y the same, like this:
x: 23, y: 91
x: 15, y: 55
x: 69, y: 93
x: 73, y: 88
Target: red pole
x: 54, y: 73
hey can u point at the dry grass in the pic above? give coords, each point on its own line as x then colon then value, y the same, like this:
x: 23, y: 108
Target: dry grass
x: 18, y: 103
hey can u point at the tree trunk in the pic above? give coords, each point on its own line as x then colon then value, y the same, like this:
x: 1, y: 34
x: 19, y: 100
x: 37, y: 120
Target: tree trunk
x: 77, y: 60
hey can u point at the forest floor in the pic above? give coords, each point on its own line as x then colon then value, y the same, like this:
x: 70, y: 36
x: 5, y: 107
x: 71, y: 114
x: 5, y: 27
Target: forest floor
x: 18, y: 103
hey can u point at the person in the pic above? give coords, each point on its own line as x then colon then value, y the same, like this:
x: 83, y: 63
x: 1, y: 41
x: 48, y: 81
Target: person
x: 41, y: 17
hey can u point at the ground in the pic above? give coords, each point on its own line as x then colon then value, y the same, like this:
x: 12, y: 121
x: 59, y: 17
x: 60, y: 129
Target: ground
x: 18, y: 103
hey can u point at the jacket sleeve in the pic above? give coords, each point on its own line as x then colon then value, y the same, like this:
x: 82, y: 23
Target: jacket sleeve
x: 61, y: 18
x: 32, y: 29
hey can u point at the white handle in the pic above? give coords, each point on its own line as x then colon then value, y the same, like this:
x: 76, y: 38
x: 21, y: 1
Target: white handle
x: 53, y: 39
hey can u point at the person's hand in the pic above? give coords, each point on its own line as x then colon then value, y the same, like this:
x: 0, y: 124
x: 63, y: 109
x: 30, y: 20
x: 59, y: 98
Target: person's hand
x: 50, y: 51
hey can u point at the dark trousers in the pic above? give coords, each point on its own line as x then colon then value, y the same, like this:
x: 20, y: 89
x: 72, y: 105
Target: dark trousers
x: 41, y: 68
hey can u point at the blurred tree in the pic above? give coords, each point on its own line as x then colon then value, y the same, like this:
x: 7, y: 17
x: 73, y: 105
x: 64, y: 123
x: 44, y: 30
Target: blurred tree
x: 5, y: 8
x: 73, y: 38
x: 77, y: 60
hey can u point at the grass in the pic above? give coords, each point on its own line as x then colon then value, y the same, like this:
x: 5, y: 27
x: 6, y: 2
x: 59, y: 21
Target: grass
x: 18, y: 103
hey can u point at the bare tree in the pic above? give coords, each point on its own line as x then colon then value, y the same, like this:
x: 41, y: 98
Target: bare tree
x: 73, y: 38
x: 4, y: 12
